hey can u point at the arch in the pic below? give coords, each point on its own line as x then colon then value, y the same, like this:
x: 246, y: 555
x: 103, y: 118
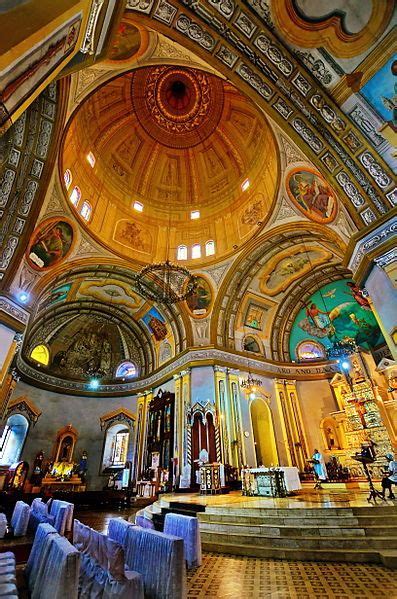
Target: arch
x: 64, y: 444
x: 196, y: 251
x: 75, y: 196
x: 263, y: 431
x: 67, y: 178
x: 117, y: 448
x: 126, y: 369
x: 252, y: 344
x: 308, y: 349
x: 86, y: 211
x: 210, y: 248
x: 41, y: 354
x: 13, y: 439
x: 331, y: 434
x: 181, y: 252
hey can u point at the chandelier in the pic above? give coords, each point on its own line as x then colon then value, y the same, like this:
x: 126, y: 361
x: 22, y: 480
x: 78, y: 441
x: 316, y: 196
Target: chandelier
x: 166, y: 283
x: 250, y: 382
x: 339, y: 349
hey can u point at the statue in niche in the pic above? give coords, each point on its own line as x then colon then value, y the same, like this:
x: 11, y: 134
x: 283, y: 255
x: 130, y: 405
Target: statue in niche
x: 65, y: 451
x: 38, y: 469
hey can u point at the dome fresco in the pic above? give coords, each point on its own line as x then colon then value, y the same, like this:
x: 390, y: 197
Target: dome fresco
x: 174, y: 141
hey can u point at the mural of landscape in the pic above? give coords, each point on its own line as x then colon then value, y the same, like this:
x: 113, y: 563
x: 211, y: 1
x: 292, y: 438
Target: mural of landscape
x: 335, y: 313
x: 380, y: 91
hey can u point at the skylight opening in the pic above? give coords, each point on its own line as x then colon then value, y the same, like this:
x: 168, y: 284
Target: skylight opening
x: 91, y: 159
x: 138, y: 206
x: 195, y: 214
x: 245, y: 185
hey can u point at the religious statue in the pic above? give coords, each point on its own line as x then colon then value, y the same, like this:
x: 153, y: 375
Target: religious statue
x: 38, y: 471
x: 82, y: 466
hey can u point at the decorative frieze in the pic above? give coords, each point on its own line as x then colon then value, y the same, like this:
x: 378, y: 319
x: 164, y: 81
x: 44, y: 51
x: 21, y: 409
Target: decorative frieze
x: 375, y: 170
x: 350, y: 189
x: 195, y: 32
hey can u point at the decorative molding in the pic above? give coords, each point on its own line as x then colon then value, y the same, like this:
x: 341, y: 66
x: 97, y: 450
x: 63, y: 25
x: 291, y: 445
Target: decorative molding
x: 118, y: 415
x: 14, y: 310
x: 387, y: 258
x: 371, y: 241
x: 23, y: 405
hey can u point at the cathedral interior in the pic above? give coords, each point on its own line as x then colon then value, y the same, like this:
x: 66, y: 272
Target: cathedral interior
x: 198, y: 295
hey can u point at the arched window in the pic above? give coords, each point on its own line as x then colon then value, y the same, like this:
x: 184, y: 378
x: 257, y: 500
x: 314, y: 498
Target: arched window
x: 67, y: 177
x: 251, y: 344
x: 310, y: 350
x: 181, y: 252
x: 91, y: 159
x: 75, y: 195
x: 40, y: 354
x: 196, y: 251
x: 86, y: 210
x: 210, y: 248
x: 115, y: 453
x: 126, y: 370
x: 12, y: 439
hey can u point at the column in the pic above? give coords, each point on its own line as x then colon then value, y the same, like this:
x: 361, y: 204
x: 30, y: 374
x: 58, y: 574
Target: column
x: 238, y: 451
x: 289, y: 449
x: 178, y: 427
x: 297, y: 427
x: 185, y: 424
x: 142, y: 409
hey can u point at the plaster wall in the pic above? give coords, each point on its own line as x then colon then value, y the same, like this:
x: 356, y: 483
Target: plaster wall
x: 83, y: 414
x: 203, y: 385
x: 316, y: 401
x: 6, y: 338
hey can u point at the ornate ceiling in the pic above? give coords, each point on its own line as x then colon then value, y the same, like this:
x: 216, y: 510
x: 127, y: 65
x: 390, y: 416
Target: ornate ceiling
x: 177, y: 140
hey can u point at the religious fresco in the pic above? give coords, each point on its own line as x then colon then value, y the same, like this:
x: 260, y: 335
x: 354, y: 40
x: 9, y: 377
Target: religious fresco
x: 254, y: 317
x: 30, y: 70
x: 109, y: 290
x: 155, y: 322
x: 126, y: 41
x: 50, y: 244
x: 381, y: 92
x: 288, y: 266
x: 200, y: 302
x: 129, y: 234
x: 86, y: 346
x: 250, y: 344
x: 312, y: 195
x: 337, y: 312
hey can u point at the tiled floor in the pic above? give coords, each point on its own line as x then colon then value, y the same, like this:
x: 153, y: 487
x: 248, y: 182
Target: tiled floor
x: 232, y: 577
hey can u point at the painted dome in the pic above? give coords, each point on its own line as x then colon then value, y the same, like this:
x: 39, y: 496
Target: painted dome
x: 172, y: 141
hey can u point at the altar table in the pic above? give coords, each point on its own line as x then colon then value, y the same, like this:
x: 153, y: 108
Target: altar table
x: 250, y: 475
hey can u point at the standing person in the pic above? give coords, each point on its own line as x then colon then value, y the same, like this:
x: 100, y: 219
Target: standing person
x: 390, y: 477
x: 320, y: 473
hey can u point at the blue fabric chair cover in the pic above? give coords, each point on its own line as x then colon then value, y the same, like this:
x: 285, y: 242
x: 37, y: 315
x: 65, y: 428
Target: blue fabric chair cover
x: 36, y: 518
x: 102, y: 571
x: 3, y: 525
x: 144, y: 522
x: 8, y: 575
x: 36, y: 554
x: 117, y: 530
x: 64, y: 523
x: 160, y: 559
x: 58, y: 575
x: 20, y: 518
x: 187, y: 528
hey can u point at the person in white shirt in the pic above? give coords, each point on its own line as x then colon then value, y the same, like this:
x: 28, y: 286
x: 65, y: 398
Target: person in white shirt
x: 390, y: 477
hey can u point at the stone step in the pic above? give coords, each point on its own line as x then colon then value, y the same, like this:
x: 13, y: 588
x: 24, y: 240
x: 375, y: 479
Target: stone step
x: 388, y: 558
x: 304, y: 543
x: 281, y: 520
x: 297, y: 512
x: 295, y: 531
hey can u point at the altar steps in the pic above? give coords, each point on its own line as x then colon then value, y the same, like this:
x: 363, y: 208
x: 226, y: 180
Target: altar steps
x: 314, y: 534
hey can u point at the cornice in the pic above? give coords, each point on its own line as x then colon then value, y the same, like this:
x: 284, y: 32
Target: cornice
x: 210, y: 356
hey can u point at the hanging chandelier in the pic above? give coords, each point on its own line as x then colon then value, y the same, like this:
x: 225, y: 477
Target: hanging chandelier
x: 339, y: 349
x: 250, y: 383
x: 166, y: 283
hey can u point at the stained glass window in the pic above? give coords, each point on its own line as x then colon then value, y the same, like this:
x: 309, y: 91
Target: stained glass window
x: 75, y: 195
x: 86, y: 210
x: 40, y: 354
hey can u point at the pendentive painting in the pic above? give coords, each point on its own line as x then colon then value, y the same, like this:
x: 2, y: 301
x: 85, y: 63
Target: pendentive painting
x: 312, y: 195
x: 336, y: 312
x: 50, y: 244
x: 200, y: 302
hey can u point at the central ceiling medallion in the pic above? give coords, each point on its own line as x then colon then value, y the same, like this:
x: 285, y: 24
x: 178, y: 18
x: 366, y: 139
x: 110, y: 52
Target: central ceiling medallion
x: 178, y: 107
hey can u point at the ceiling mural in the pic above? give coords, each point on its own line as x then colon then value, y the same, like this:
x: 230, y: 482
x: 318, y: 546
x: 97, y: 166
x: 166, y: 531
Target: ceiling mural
x: 336, y: 312
x: 200, y: 302
x: 50, y: 244
x: 167, y: 142
x: 290, y: 265
x: 311, y: 194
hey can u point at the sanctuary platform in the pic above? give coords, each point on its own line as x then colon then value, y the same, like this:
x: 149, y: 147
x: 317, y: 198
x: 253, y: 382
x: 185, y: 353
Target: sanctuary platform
x: 328, y: 525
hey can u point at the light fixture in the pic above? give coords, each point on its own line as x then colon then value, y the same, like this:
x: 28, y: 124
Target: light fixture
x: 166, y: 283
x: 94, y: 384
x: 345, y: 365
x: 195, y: 214
x: 245, y: 184
x: 250, y: 383
x: 138, y: 206
x: 23, y: 297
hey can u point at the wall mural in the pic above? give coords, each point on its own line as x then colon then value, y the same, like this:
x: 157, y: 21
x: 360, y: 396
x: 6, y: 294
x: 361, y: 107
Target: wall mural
x: 155, y: 322
x: 86, y: 346
x: 200, y: 302
x: 50, y: 244
x: 254, y: 318
x: 289, y: 265
x: 130, y: 235
x: 381, y: 92
x: 109, y: 290
x: 335, y: 313
x: 312, y: 195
